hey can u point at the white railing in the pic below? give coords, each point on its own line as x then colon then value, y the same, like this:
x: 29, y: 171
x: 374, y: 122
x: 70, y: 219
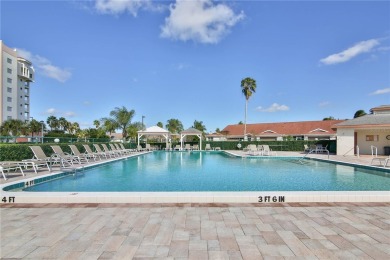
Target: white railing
x: 357, y: 151
x: 374, y: 148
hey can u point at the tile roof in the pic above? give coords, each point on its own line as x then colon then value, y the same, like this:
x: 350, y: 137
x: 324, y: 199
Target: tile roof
x: 366, y: 121
x: 285, y: 128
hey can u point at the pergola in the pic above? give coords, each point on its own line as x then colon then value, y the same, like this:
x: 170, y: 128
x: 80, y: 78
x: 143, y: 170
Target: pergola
x: 154, y: 130
x: 191, y: 131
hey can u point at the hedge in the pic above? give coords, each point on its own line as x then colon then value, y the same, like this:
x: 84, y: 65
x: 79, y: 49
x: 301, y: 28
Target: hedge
x: 18, y: 152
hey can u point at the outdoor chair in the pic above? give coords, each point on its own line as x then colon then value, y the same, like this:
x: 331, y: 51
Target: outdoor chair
x: 177, y: 147
x: 195, y: 147
x: 115, y: 149
x: 65, y: 156
x: 187, y: 147
x: 207, y: 147
x: 113, y: 153
x: 267, y: 150
x: 89, y: 151
x: 81, y: 156
x: 7, y: 166
x: 381, y: 160
x: 124, y: 148
x: 40, y: 158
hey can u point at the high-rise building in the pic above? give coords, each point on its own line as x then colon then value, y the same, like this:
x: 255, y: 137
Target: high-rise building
x: 16, y: 75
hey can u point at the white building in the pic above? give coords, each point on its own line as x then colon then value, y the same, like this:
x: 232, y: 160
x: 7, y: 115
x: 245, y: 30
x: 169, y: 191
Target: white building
x: 16, y: 75
x: 368, y: 134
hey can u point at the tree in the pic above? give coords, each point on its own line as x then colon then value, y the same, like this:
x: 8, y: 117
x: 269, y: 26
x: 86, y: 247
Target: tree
x: 52, y: 121
x: 12, y: 127
x: 248, y: 87
x: 328, y: 118
x: 134, y: 128
x: 240, y: 123
x: 160, y: 124
x: 35, y: 127
x: 109, y: 125
x: 96, y: 123
x: 359, y: 113
x: 74, y: 128
x: 199, y: 125
x: 121, y: 117
x: 174, y: 126
x: 217, y: 130
x: 63, y: 123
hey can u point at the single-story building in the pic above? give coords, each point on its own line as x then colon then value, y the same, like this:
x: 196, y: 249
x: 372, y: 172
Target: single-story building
x: 366, y: 134
x: 305, y: 130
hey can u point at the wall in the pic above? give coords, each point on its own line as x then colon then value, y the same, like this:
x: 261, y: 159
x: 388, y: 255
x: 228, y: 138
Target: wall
x: 345, y: 141
x: 365, y: 146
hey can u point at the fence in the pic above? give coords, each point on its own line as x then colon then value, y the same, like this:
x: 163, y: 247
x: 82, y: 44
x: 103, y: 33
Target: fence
x: 40, y: 139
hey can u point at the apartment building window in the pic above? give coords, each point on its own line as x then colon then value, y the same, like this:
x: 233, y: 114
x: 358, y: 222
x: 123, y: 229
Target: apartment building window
x: 9, y: 70
x: 9, y: 80
x: 9, y: 109
x: 9, y: 90
x: 372, y: 138
x: 9, y: 99
x: 9, y: 60
x: 9, y: 117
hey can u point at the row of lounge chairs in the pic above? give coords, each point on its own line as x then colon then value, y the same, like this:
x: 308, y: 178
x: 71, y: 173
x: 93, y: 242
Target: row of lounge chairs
x: 252, y: 149
x: 63, y: 159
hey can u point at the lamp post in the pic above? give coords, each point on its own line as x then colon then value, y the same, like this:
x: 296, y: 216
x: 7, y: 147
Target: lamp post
x: 42, y: 130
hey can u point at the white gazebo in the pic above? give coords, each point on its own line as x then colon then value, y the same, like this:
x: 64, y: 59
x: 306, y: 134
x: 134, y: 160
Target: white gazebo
x: 191, y: 131
x: 154, y: 131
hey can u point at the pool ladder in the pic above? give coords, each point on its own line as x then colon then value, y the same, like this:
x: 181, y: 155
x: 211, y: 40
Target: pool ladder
x: 311, y: 151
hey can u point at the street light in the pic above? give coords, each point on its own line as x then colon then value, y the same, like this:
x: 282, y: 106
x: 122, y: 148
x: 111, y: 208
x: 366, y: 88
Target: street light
x: 42, y: 122
x: 143, y: 121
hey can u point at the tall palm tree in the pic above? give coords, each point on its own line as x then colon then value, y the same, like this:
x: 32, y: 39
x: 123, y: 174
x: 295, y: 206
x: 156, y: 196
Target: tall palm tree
x: 199, y: 125
x: 121, y: 116
x: 52, y: 121
x: 174, y: 126
x: 248, y: 87
x: 96, y: 123
x: 12, y: 127
x: 35, y: 127
x: 63, y: 123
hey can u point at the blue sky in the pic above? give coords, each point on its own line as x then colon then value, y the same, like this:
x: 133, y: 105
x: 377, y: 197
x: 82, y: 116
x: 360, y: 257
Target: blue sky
x: 186, y: 59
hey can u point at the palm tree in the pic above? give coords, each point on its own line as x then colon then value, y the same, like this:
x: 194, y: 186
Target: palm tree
x: 52, y: 121
x: 74, y: 128
x: 359, y: 113
x: 121, y: 117
x: 199, y: 125
x: 63, y: 123
x: 35, y: 127
x: 96, y: 123
x: 160, y: 124
x: 174, y: 126
x: 248, y: 87
x: 12, y: 127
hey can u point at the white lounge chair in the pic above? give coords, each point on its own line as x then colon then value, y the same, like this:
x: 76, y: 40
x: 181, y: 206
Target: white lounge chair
x: 267, y: 150
x: 65, y: 156
x: 99, y: 150
x: 382, y: 161
x: 207, y: 147
x: 89, y: 151
x: 7, y: 166
x: 82, y: 156
x: 177, y: 147
x: 111, y: 152
x: 187, y: 147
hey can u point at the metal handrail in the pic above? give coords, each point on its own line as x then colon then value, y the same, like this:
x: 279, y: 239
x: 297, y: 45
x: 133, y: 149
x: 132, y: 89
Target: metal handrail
x: 372, y: 151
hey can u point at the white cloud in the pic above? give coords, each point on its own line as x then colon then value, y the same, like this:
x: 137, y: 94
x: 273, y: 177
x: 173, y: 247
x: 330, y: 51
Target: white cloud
x: 199, y: 20
x: 116, y: 7
x: 324, y: 104
x: 381, y: 91
x: 351, y: 52
x: 45, y: 67
x: 86, y: 103
x: 275, y: 107
x: 69, y: 114
x: 120, y: 6
x: 51, y: 111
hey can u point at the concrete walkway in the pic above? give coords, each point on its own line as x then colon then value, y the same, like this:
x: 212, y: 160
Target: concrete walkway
x: 195, y: 231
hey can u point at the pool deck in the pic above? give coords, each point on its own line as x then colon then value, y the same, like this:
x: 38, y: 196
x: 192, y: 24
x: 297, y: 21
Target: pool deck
x: 195, y: 197
x: 342, y: 230
x: 196, y: 231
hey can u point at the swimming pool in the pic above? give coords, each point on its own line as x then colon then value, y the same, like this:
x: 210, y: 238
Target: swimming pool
x: 217, y: 171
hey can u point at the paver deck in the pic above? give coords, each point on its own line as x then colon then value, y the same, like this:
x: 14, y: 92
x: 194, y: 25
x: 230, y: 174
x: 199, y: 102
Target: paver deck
x: 196, y: 231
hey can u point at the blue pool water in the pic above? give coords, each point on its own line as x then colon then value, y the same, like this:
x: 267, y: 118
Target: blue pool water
x: 201, y: 171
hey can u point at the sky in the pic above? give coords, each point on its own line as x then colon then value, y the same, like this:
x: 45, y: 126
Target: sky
x: 186, y: 59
